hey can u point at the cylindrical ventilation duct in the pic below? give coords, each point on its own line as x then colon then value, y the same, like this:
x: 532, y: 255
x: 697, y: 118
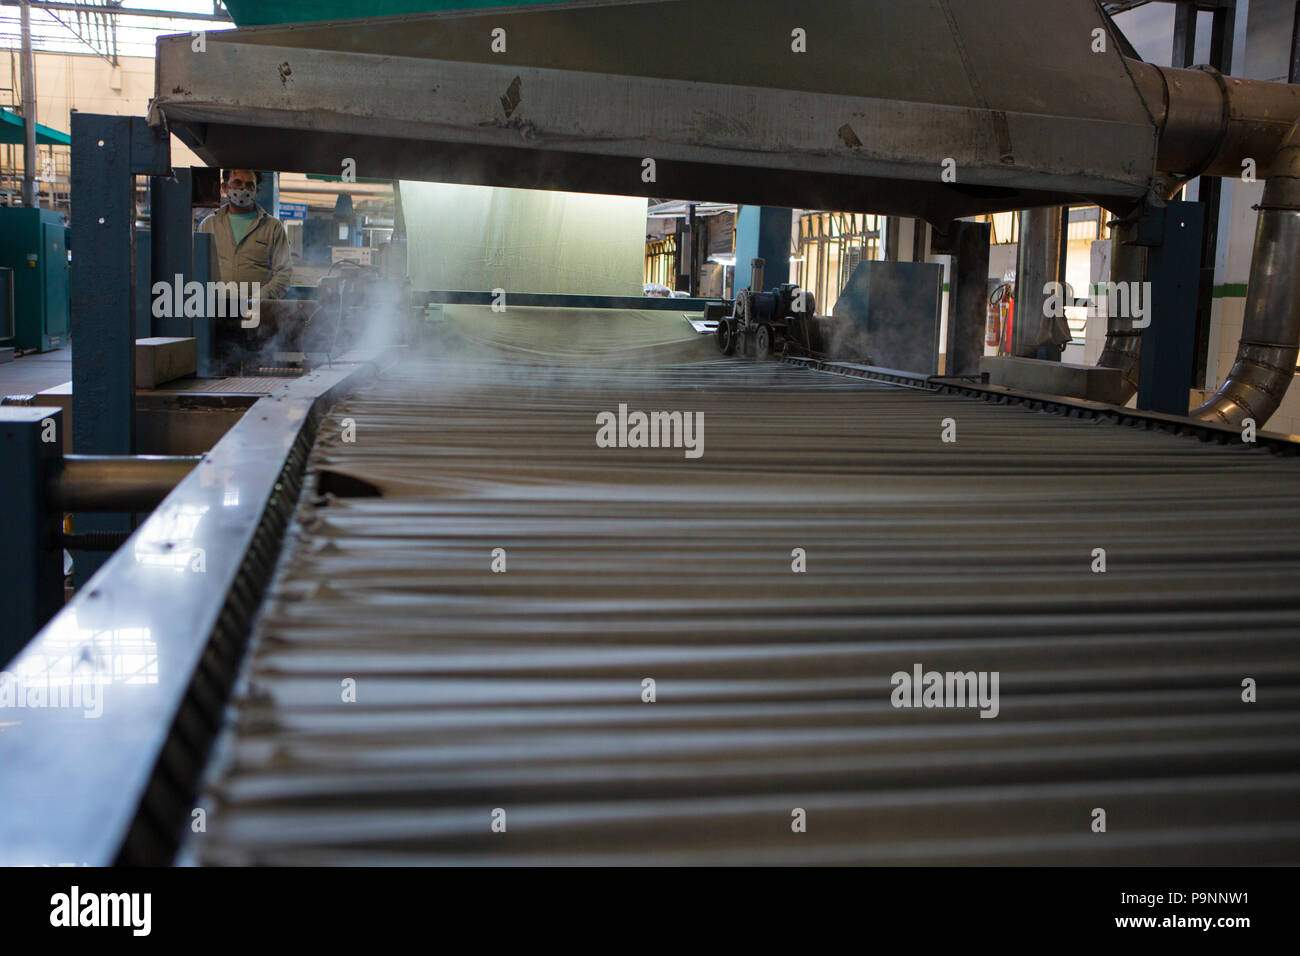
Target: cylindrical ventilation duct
x: 1270, y: 332
x: 1211, y: 124
x: 1218, y: 125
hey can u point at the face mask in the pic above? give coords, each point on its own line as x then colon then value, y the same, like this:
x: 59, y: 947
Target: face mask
x: 242, y: 198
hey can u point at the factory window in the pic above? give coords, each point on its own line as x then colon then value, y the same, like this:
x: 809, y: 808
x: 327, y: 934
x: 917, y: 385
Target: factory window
x: 661, y: 261
x: 1087, y: 223
x: 831, y: 245
x: 1006, y: 227
x: 53, y: 175
x: 1083, y: 223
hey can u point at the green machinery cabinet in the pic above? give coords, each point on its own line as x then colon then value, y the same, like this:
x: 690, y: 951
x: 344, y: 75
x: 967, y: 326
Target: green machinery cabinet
x: 34, y: 244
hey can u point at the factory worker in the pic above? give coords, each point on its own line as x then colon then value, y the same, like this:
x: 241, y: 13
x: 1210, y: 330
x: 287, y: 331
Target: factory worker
x: 248, y: 244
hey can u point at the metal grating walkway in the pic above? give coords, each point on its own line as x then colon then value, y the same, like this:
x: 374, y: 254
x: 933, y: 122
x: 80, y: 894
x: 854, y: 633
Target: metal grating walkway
x: 522, y: 691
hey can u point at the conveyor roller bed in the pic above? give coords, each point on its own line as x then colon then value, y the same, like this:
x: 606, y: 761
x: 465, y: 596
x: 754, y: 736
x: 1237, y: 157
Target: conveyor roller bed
x: 404, y: 702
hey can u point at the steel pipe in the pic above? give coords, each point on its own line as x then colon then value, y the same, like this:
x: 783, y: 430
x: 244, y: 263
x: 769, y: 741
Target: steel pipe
x: 1037, y: 265
x: 131, y: 484
x: 1270, y: 334
x: 1211, y: 124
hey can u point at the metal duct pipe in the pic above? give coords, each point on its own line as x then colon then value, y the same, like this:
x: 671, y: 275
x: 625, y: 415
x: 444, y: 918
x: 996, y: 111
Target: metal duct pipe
x: 1038, y: 262
x: 1211, y: 124
x: 1270, y: 333
x: 1216, y: 125
x: 132, y: 484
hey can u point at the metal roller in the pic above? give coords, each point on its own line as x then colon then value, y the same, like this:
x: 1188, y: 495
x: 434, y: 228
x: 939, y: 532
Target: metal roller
x: 518, y: 696
x: 117, y: 483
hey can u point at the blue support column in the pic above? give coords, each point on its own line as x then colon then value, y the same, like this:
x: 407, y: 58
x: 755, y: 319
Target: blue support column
x: 763, y: 232
x: 31, y: 562
x: 144, y: 320
x: 108, y: 152
x: 203, y: 274
x: 968, y: 244
x: 1173, y: 235
x: 268, y: 194
x: 171, y: 226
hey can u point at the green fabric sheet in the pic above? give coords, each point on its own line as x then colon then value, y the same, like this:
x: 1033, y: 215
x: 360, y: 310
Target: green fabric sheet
x: 480, y: 238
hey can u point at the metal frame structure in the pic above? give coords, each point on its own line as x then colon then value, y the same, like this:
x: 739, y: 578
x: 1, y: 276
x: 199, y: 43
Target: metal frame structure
x: 187, y: 583
x: 1031, y: 140
x: 182, y: 591
x: 864, y: 126
x: 178, y: 600
x: 108, y: 152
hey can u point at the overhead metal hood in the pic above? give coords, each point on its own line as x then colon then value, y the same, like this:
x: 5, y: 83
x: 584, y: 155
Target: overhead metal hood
x: 1010, y: 91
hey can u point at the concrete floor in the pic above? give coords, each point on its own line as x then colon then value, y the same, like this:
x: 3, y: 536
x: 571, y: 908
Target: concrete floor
x: 36, y: 372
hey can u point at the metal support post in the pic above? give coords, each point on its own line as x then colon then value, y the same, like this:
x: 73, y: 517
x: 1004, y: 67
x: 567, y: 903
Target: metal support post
x: 763, y: 233
x: 1173, y: 237
x: 171, y: 227
x: 31, y: 563
x: 968, y: 244
x: 108, y: 152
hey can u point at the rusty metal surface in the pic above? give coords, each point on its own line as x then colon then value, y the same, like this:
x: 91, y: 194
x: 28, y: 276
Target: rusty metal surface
x: 522, y: 691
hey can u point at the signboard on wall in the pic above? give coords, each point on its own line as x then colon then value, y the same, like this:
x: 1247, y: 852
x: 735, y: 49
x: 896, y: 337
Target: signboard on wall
x: 350, y: 254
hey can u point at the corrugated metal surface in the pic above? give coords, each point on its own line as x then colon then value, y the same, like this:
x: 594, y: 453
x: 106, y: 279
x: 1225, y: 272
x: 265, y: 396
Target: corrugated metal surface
x: 523, y: 691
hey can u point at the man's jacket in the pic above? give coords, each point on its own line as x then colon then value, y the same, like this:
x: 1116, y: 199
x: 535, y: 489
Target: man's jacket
x: 262, y: 256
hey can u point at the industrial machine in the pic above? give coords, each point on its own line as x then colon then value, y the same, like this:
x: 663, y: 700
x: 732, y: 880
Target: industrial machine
x: 776, y: 322
x: 352, y: 304
x: 887, y: 315
x: 34, y: 244
x: 643, y: 656
x: 6, y: 304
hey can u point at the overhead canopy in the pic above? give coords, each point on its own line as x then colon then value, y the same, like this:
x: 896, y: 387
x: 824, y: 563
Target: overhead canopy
x: 11, y: 132
x: 934, y: 108
x: 253, y: 12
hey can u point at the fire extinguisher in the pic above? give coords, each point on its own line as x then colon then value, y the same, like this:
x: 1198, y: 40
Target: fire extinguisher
x: 1001, y: 311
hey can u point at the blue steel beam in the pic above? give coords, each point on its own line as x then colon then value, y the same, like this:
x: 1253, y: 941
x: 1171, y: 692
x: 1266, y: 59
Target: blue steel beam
x: 108, y: 152
x: 171, y: 224
x: 1169, y: 342
x: 31, y: 563
x: 763, y: 232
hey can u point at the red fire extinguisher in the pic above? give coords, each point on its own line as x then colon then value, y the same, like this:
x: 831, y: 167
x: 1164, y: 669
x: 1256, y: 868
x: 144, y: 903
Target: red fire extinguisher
x: 1001, y: 313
